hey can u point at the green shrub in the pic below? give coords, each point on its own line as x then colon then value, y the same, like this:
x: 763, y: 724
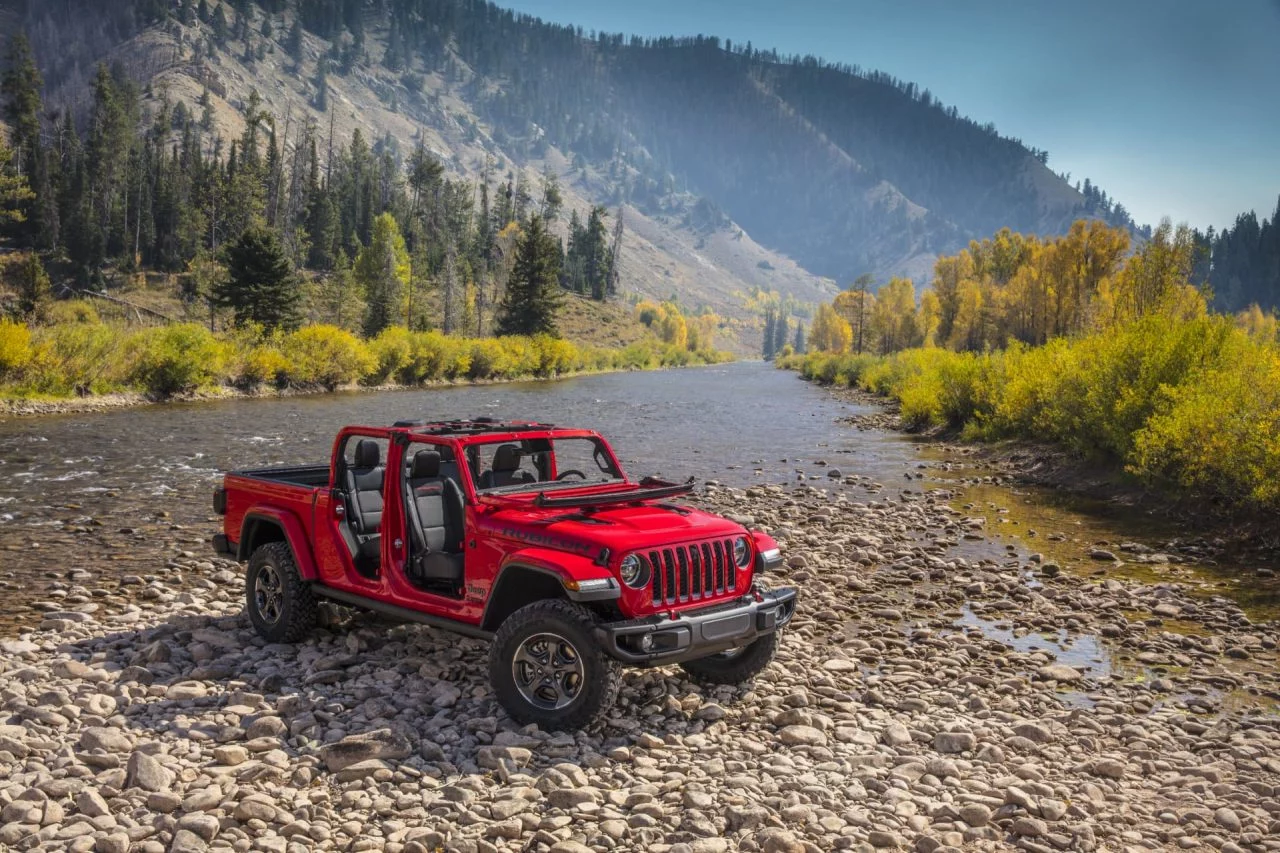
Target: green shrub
x: 392, y: 351
x: 15, y: 347
x: 920, y: 401
x: 555, y: 356
x: 426, y: 358
x: 455, y: 358
x: 176, y: 359
x: 1218, y: 435
x: 73, y: 311
x: 488, y: 359
x: 80, y: 354
x: 79, y: 357
x: 326, y: 356
x: 638, y: 356
x: 1192, y: 404
x: 263, y: 364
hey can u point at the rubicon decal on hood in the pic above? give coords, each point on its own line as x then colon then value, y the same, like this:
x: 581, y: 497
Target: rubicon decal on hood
x: 549, y: 540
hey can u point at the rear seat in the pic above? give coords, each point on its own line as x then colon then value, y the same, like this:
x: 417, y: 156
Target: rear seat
x: 363, y: 482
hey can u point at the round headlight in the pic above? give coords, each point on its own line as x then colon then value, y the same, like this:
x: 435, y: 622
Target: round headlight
x: 631, y: 570
x: 741, y: 551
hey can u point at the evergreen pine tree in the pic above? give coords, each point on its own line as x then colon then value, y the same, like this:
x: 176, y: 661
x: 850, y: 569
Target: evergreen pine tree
x: 596, y: 260
x: 294, y: 42
x: 321, y: 101
x: 766, y: 348
x: 34, y: 291
x: 260, y: 286
x: 613, y: 271
x: 552, y: 198
x: 20, y: 87
x: 779, y: 334
x: 206, y: 112
x: 533, y: 290
x: 14, y: 192
x: 860, y: 284
x: 798, y: 344
x: 221, y: 31
x: 20, y: 91
x: 573, y: 276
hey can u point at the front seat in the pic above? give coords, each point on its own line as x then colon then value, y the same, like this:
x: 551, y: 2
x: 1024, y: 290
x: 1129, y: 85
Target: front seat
x: 436, y: 511
x: 506, y: 469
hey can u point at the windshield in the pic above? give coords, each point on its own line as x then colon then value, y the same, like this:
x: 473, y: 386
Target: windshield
x: 541, y: 463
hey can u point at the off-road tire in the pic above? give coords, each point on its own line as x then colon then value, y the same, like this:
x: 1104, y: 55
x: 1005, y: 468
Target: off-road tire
x: 749, y: 662
x: 297, y: 606
x: 601, y: 675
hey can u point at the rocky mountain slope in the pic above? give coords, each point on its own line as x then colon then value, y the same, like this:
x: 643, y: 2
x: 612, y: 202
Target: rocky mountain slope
x: 738, y: 171
x: 666, y: 250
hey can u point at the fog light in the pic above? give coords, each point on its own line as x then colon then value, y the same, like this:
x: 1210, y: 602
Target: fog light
x: 646, y: 643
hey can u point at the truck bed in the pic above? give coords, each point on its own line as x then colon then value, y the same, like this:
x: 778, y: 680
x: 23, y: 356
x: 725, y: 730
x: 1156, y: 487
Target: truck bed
x: 311, y: 476
x: 279, y: 491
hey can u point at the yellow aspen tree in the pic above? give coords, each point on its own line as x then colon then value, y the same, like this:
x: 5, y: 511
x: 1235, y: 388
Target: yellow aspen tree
x: 830, y: 332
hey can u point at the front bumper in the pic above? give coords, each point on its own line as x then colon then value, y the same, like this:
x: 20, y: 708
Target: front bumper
x: 657, y: 640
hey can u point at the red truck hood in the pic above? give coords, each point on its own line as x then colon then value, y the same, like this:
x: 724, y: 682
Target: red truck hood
x: 619, y: 528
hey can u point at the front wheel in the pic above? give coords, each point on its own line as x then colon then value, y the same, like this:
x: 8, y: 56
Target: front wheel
x: 735, y: 665
x: 546, y: 668
x: 279, y: 602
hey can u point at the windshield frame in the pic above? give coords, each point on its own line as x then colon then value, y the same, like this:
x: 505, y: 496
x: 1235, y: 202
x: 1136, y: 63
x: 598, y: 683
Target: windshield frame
x: 552, y: 435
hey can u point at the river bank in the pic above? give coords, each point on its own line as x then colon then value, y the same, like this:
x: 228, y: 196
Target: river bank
x: 1186, y: 408
x: 19, y: 407
x: 921, y: 700
x: 1250, y: 535
x: 94, y: 366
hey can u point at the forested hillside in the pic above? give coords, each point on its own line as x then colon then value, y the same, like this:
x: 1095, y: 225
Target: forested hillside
x: 1242, y: 263
x: 715, y: 146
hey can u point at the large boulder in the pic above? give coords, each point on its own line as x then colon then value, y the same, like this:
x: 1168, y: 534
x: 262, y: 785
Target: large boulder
x: 380, y: 743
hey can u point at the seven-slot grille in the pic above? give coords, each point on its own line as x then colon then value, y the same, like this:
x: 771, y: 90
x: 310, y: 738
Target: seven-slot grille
x: 693, y: 572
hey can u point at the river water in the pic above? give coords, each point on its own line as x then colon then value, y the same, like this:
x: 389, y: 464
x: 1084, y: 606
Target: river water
x: 94, y: 499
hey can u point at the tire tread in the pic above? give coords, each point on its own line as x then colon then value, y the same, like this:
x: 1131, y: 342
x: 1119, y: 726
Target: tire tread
x: 603, y: 691
x: 301, y: 609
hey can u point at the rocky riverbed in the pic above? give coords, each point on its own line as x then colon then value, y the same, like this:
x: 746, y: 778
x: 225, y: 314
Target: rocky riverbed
x: 921, y: 700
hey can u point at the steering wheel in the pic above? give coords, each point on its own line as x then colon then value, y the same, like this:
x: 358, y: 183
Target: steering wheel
x: 573, y: 471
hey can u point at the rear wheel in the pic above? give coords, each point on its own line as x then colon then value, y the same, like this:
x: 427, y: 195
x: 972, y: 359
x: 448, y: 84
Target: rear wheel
x: 734, y: 666
x: 546, y: 668
x: 279, y: 602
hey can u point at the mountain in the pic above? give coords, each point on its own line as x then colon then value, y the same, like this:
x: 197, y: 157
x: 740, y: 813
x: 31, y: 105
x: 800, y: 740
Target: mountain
x: 739, y: 172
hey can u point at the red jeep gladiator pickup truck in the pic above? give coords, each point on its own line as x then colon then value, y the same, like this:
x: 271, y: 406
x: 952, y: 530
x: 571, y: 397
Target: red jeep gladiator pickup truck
x: 519, y: 533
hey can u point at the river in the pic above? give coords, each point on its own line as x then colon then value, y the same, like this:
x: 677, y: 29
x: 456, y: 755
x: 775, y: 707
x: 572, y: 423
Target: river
x: 113, y: 497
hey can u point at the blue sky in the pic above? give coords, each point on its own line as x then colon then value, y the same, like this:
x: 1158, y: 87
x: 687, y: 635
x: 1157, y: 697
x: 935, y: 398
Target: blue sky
x: 1171, y: 106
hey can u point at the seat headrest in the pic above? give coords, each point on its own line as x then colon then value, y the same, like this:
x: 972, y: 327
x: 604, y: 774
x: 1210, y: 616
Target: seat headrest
x: 507, y: 457
x: 368, y: 453
x: 426, y: 463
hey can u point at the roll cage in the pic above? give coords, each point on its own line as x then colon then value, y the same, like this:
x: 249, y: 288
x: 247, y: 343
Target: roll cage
x: 465, y: 438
